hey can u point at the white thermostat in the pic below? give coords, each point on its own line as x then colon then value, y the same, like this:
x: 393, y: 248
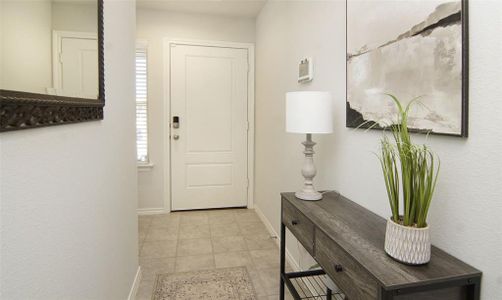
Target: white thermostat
x: 305, y: 70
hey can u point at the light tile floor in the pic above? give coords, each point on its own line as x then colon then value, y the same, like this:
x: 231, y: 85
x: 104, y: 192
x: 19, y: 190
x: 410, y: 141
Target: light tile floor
x: 198, y: 240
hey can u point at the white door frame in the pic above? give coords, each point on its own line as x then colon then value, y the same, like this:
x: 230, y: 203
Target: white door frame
x: 57, y: 39
x: 167, y: 111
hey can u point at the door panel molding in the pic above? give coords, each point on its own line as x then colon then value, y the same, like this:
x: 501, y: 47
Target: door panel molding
x: 167, y: 43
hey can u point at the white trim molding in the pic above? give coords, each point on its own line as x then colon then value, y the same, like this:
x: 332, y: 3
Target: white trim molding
x: 152, y: 211
x: 289, y: 257
x: 142, y: 44
x: 135, y: 285
x: 143, y: 167
x: 295, y: 265
x: 250, y: 110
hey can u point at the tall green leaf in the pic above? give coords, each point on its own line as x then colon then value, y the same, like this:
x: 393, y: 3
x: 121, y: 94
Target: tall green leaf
x: 410, y: 166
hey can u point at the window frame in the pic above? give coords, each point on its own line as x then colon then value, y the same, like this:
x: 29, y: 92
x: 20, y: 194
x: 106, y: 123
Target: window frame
x: 147, y: 164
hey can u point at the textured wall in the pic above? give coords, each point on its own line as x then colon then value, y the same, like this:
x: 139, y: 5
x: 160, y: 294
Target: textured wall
x: 68, y: 193
x: 465, y: 214
x: 154, y: 26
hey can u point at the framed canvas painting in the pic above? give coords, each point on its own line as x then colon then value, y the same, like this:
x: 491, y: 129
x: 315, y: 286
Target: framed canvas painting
x: 409, y: 49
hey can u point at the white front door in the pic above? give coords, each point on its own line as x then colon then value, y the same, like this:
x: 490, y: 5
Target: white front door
x: 209, y: 148
x: 78, y: 67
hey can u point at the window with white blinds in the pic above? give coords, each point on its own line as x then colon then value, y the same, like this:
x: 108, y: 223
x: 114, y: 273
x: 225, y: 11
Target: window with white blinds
x: 141, y: 105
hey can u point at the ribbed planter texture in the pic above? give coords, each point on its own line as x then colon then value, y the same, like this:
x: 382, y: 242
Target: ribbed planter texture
x: 409, y: 245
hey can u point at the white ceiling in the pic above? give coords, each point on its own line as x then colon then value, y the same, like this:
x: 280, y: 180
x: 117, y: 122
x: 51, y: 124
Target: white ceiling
x: 234, y: 8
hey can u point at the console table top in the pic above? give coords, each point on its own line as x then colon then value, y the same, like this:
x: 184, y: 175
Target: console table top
x: 361, y: 233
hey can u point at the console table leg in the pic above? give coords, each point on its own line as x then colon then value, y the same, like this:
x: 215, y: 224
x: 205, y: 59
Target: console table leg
x: 474, y: 290
x: 283, y: 260
x: 386, y: 295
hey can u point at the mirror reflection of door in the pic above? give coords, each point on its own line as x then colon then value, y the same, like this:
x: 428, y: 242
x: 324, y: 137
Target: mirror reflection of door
x: 29, y: 54
x: 75, y: 64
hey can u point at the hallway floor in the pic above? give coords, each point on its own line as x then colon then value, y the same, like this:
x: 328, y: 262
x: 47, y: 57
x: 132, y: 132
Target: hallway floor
x: 201, y: 240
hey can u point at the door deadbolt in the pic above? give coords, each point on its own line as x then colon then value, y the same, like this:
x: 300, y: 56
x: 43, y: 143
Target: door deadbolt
x: 176, y: 122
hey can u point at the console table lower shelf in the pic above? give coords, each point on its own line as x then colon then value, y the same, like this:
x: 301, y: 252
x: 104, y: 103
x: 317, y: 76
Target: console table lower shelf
x: 347, y: 241
x: 310, y: 285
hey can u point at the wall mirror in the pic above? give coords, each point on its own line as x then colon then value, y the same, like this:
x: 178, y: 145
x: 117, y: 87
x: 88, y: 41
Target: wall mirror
x: 51, y: 62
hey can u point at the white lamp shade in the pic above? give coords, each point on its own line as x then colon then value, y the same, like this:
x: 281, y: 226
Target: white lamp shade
x: 309, y: 112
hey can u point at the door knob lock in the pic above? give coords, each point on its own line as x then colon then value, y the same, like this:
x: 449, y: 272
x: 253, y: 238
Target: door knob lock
x: 176, y: 137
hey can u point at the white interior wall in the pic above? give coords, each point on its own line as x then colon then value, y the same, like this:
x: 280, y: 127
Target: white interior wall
x: 26, y: 42
x: 465, y: 214
x: 68, y: 193
x: 153, y: 26
x: 75, y: 16
x: 1, y: 43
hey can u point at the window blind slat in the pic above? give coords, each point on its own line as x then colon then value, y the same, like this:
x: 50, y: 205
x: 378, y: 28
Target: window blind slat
x: 141, y: 105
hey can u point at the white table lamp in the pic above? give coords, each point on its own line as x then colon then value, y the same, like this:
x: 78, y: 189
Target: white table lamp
x: 309, y: 113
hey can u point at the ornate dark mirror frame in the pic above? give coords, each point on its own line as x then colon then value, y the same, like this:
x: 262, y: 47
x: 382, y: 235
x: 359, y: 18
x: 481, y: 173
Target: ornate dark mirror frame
x: 22, y: 110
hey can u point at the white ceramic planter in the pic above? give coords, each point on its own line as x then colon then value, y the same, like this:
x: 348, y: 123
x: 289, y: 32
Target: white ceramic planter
x: 408, y: 245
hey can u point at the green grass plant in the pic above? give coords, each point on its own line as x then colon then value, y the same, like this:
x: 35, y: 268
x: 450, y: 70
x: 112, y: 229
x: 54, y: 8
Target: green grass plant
x: 410, y: 171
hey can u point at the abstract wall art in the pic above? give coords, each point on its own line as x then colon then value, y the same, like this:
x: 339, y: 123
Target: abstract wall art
x: 412, y: 48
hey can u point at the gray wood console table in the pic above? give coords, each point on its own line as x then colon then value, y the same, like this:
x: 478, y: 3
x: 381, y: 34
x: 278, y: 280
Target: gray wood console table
x: 347, y: 241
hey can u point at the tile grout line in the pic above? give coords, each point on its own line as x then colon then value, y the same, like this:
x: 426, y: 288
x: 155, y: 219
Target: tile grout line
x: 177, y: 243
x: 244, y: 237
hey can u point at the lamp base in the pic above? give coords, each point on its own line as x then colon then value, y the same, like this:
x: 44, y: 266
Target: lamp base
x: 308, y: 191
x: 309, y: 196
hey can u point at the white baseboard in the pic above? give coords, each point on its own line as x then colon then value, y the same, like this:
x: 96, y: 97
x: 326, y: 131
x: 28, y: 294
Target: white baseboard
x: 290, y: 259
x: 151, y: 211
x: 135, y: 285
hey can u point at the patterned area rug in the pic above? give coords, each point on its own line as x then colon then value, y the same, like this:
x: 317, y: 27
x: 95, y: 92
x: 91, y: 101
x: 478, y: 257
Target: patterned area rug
x: 219, y: 284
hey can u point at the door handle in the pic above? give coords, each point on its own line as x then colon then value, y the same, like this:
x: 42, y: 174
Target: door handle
x: 338, y: 268
x: 176, y: 137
